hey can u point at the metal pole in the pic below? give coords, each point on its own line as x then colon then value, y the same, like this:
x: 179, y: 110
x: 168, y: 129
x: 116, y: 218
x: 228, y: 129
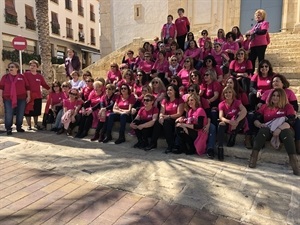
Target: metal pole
x: 20, y: 57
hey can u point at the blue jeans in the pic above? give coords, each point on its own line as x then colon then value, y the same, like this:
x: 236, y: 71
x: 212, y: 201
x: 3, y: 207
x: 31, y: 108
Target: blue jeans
x: 58, y: 123
x: 297, y: 129
x: 123, y: 118
x: 9, y: 113
x: 211, y: 141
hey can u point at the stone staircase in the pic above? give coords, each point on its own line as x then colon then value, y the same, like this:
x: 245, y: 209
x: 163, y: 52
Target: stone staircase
x: 284, y: 54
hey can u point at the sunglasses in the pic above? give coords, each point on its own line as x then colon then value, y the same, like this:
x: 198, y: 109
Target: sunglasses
x: 147, y: 100
x: 229, y: 37
x: 191, y: 90
x: 240, y: 53
x: 207, y: 74
x: 154, y: 82
x: 178, y: 53
x: 108, y: 89
x: 173, y: 60
x: 122, y: 68
x: 193, y: 75
x: 187, y: 61
x: 204, y: 33
x: 139, y: 75
x: 208, y: 61
x: 64, y: 86
x: 74, y: 94
x: 89, y: 81
x: 220, y: 32
x: 264, y: 66
x: 124, y: 88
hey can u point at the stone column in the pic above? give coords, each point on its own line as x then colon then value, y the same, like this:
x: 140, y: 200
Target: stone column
x: 297, y: 25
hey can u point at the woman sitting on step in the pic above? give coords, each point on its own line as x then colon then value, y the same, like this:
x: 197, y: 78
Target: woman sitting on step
x: 270, y: 126
x: 232, y: 116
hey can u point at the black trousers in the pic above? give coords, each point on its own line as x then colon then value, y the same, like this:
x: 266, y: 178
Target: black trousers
x: 143, y: 134
x: 180, y: 41
x: 187, y: 139
x: 169, y: 131
x: 223, y: 128
x: 257, y: 52
x: 85, y: 123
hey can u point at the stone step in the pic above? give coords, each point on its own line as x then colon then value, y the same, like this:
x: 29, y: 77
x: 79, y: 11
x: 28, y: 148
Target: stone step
x: 285, y: 69
x: 283, y: 36
x: 267, y: 154
x: 284, y: 49
x: 283, y: 62
x: 285, y: 55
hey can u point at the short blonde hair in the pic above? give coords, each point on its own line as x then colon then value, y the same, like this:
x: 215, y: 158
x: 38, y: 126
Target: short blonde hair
x: 262, y: 12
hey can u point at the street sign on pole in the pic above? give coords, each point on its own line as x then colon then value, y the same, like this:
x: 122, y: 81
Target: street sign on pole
x: 19, y: 43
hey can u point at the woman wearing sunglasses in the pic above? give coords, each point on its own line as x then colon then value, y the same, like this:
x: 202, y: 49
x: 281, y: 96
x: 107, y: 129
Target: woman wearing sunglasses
x: 87, y: 89
x: 209, y: 63
x: 203, y: 39
x: 121, y: 112
x: 114, y: 75
x: 144, y: 121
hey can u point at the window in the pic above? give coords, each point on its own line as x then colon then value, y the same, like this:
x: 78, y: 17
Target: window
x: 55, y: 27
x: 93, y: 39
x: 30, y: 20
x: 11, y: 15
x: 68, y: 4
x: 80, y: 33
x: 137, y: 11
x: 69, y: 29
x: 80, y: 8
x: 92, y: 14
x: 56, y: 1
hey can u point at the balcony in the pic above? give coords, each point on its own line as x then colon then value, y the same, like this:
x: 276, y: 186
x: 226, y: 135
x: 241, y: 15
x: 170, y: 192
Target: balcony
x: 55, y: 27
x: 92, y: 16
x: 68, y: 4
x: 80, y: 10
x: 11, y: 19
x: 69, y: 32
x: 93, y: 40
x: 30, y: 24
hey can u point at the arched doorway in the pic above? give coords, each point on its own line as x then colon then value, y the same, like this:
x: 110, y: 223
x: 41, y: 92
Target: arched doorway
x: 273, y: 9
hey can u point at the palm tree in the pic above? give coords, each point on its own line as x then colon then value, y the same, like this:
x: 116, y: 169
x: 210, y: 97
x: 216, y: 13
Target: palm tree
x: 42, y: 8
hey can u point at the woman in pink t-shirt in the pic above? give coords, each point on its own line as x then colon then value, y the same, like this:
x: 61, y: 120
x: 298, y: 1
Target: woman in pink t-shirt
x: 161, y: 64
x: 128, y: 78
x: 184, y: 73
x: 114, y: 75
x: 232, y: 116
x: 220, y: 37
x: 259, y: 37
x: 260, y: 82
x: 207, y: 48
x: 239, y: 37
x: 230, y: 46
x: 195, y: 53
x: 189, y: 37
x: 239, y: 92
x: 171, y: 109
x: 277, y: 107
x: 183, y: 27
x: 241, y: 68
x: 204, y: 38
x: 187, y: 128
x: 209, y: 63
x: 147, y: 64
x: 220, y: 55
x: 174, y: 67
x: 122, y: 112
x: 144, y: 121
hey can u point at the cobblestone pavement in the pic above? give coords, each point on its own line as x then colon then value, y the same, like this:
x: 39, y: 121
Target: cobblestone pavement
x: 51, y: 179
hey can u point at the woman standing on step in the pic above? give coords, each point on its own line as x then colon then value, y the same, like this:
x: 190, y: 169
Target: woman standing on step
x: 259, y: 37
x: 277, y: 107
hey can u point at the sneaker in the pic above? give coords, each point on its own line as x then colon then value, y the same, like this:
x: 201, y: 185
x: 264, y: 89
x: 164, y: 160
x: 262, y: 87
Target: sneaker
x: 29, y: 128
x: 9, y: 132
x: 210, y: 153
x: 131, y: 132
x: 38, y: 127
x: 21, y: 130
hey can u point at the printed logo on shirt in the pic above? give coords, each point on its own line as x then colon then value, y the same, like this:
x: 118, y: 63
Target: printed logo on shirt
x: 243, y: 67
x: 268, y: 81
x: 279, y: 113
x: 174, y: 105
x: 37, y: 80
x: 19, y: 78
x: 149, y: 116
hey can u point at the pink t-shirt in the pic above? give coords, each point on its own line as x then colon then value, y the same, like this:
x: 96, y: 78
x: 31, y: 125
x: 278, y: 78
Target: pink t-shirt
x: 230, y: 111
x: 209, y: 89
x: 35, y: 82
x: 202, y: 40
x: 171, y: 107
x: 71, y: 105
x: 273, y: 113
x: 137, y: 89
x: 184, y: 75
x: 263, y: 83
x: 54, y: 99
x: 195, y: 53
x: 95, y: 98
x: 218, y: 57
x: 240, y: 67
x: 192, y: 116
x: 86, y: 92
x: 147, y: 115
x: 260, y: 40
x: 124, y: 103
x: 181, y: 25
x: 146, y: 66
x: 246, y: 44
x: 112, y: 76
x: 234, y: 46
x: 289, y: 94
x: 161, y: 67
x: 220, y: 40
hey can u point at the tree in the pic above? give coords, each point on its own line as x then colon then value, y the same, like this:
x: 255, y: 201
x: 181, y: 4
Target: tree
x: 42, y: 8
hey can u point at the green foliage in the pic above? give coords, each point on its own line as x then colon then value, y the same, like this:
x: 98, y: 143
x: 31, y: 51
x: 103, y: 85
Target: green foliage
x: 55, y: 60
x: 14, y: 56
x: 11, y: 19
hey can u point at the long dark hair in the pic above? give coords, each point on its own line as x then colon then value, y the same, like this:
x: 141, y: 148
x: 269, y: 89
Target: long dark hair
x: 214, y: 63
x: 144, y: 78
x: 262, y: 62
x: 176, y: 90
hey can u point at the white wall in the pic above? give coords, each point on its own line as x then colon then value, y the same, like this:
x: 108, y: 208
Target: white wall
x: 125, y: 27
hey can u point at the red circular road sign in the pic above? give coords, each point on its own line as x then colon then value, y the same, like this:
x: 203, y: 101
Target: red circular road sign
x: 19, y: 43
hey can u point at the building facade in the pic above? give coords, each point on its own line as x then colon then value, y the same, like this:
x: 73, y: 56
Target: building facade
x: 122, y: 21
x: 73, y: 24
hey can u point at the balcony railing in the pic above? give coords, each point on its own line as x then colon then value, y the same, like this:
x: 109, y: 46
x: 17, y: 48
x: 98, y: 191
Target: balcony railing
x: 68, y: 4
x: 93, y: 40
x: 56, y: 1
x: 80, y: 10
x: 69, y: 32
x: 55, y: 27
x: 81, y: 36
x: 11, y: 19
x: 92, y: 16
x: 30, y: 24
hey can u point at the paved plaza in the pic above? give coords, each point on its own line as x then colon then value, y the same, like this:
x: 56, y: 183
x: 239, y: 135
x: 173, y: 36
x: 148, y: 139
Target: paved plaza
x: 55, y: 179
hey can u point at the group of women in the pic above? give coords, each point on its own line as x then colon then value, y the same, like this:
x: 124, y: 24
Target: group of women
x: 192, y: 96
